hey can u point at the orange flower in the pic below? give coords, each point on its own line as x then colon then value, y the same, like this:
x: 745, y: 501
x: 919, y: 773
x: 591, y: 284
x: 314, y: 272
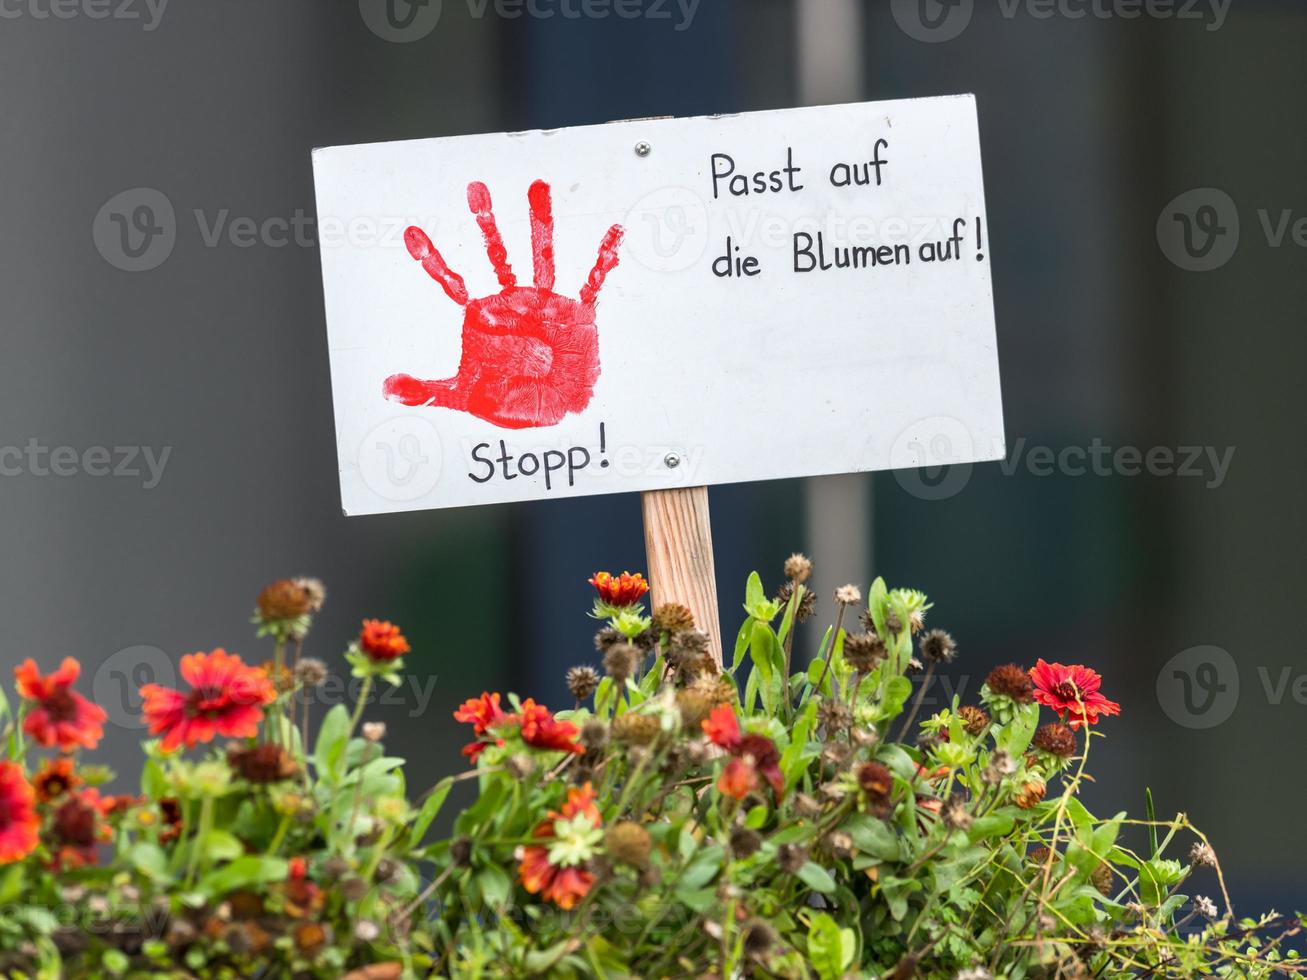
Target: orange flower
x: 541, y: 730
x: 622, y: 590
x: 61, y: 717
x: 55, y: 779
x: 18, y: 820
x: 563, y: 884
x: 1073, y: 692
x: 226, y: 698
x: 382, y: 641
x: 482, y: 714
x: 739, y: 778
x: 722, y: 727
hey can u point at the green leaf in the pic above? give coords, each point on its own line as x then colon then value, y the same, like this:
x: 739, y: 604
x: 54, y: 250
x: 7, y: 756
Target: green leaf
x: 754, y: 595
x: 826, y: 947
x: 495, y: 885
x: 742, y: 644
x: 430, y: 810
x: 876, y: 596
x: 1152, y: 822
x: 244, y: 872
x: 330, y: 746
x: 897, y: 692
x: 817, y: 878
x: 11, y: 885
x: 149, y: 860
x: 219, y: 845
x: 874, y: 837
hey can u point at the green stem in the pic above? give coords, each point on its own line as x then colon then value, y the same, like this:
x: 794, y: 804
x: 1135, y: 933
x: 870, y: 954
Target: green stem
x: 279, y: 836
x: 358, y: 708
x: 201, y: 838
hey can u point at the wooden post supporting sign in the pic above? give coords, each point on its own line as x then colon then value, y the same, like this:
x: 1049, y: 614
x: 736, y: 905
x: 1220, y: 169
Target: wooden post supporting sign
x: 678, y: 543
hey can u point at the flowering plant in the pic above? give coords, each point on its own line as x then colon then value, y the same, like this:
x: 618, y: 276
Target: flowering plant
x: 683, y: 818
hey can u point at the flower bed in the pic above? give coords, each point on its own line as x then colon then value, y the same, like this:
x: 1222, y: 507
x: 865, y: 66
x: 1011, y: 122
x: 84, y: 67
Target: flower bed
x: 680, y: 820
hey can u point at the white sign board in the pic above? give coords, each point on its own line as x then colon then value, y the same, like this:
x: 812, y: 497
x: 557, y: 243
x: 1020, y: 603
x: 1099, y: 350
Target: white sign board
x: 648, y: 305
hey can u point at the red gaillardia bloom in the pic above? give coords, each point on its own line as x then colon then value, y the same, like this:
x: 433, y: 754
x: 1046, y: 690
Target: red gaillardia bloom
x: 55, y: 779
x: 483, y: 714
x: 62, y: 717
x: 541, y: 730
x: 555, y: 868
x: 382, y: 641
x: 78, y: 827
x: 226, y: 698
x: 755, y: 755
x: 18, y: 820
x: 1072, y: 692
x: 619, y: 590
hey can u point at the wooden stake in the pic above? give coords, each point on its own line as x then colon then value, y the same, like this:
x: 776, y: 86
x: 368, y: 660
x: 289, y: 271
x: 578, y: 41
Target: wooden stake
x: 678, y: 542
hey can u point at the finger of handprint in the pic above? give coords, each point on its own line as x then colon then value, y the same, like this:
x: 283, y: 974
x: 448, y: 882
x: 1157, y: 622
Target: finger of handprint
x: 607, y: 262
x: 420, y: 247
x: 542, y: 233
x: 478, y: 199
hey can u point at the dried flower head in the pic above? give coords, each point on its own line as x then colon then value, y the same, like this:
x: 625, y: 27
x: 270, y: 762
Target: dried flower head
x: 744, y: 842
x: 1031, y: 794
x: 621, y: 661
x: 629, y: 843
x: 848, y: 595
x: 262, y: 763
x: 863, y: 651
x: 636, y: 729
x: 284, y: 599
x: 807, y: 606
x: 314, y: 590
x: 938, y: 647
x: 974, y: 720
x: 1204, y: 906
x: 839, y: 843
x: 672, y: 617
x: 759, y: 939
x: 374, y: 731
x: 695, y: 704
x: 689, y: 653
x: 1011, y: 682
x: 1055, y: 739
x: 310, y: 672
x: 594, y: 734
x: 955, y: 814
x: 798, y: 568
x: 893, y: 625
x: 807, y: 807
x: 582, y: 681
x: 520, y: 766
x: 1201, y: 855
x: 791, y: 858
x: 607, y: 638
x: 834, y: 716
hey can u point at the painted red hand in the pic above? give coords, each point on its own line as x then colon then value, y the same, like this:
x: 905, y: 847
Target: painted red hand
x: 530, y: 356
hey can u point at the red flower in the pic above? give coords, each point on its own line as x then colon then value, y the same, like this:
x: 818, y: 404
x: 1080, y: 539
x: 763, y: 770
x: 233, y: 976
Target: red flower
x: 55, y: 779
x: 623, y: 590
x: 77, y: 829
x: 382, y: 641
x: 61, y: 717
x: 482, y: 714
x: 755, y: 755
x: 18, y: 820
x: 564, y: 886
x: 1072, y: 692
x: 541, y: 730
x: 226, y: 698
x: 722, y: 727
x: 765, y: 757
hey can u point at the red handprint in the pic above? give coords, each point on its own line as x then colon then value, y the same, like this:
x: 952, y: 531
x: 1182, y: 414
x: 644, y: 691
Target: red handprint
x: 530, y: 356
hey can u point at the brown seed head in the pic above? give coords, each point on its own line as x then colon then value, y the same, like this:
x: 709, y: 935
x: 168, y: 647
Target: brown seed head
x: 262, y: 763
x: 938, y: 647
x: 974, y: 720
x: 582, y: 682
x: 1056, y: 739
x: 284, y: 599
x: 620, y: 662
x: 791, y: 858
x: 1031, y: 794
x: 807, y: 601
x: 629, y: 843
x: 636, y: 729
x: 863, y: 651
x: 672, y: 617
x: 744, y: 842
x: 1011, y: 682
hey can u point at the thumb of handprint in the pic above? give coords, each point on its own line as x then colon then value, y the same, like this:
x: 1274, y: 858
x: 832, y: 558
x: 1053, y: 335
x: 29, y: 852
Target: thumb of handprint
x: 530, y: 356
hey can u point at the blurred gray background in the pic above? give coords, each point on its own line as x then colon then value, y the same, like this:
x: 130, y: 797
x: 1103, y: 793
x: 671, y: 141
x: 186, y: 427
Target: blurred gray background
x: 1095, y: 120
